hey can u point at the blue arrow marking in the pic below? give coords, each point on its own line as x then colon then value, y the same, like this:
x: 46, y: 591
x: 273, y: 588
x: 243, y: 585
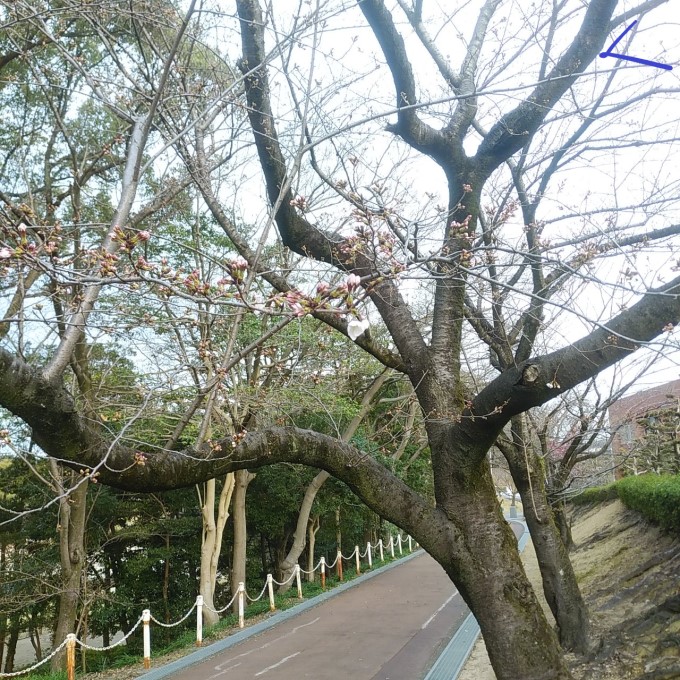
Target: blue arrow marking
x: 637, y: 60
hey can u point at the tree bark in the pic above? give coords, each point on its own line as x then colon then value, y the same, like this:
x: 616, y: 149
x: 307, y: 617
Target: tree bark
x: 14, y: 624
x: 211, y: 545
x: 559, y: 510
x: 73, y: 516
x: 485, y: 566
x: 312, y: 528
x: 238, y: 568
x: 288, y: 563
x: 560, y: 586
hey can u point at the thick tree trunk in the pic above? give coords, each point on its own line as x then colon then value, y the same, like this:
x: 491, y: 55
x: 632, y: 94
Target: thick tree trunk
x: 559, y: 580
x: 73, y: 518
x: 238, y: 568
x: 485, y: 566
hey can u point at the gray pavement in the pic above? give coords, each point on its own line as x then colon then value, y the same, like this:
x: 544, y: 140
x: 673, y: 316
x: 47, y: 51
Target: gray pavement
x: 392, y: 627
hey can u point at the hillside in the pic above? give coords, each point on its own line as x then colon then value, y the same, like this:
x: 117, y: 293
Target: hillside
x: 630, y: 575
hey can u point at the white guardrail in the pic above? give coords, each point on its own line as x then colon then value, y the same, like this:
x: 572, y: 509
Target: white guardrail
x: 241, y: 595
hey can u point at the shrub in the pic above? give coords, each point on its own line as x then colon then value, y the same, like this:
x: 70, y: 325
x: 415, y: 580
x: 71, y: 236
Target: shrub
x: 596, y: 494
x: 656, y: 497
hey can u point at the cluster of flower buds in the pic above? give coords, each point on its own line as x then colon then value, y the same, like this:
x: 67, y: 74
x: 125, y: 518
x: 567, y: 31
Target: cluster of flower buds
x: 237, y: 269
x: 461, y: 229
x: 237, y: 438
x: 194, y: 284
x: 140, y: 458
x: 143, y: 265
x: 353, y: 282
x: 300, y: 202
x: 298, y: 302
x: 205, y: 350
x: 128, y: 239
x: 108, y: 264
x: 4, y: 437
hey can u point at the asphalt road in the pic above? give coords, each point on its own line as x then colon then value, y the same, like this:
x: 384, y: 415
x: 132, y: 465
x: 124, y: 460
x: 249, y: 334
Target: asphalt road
x: 391, y: 627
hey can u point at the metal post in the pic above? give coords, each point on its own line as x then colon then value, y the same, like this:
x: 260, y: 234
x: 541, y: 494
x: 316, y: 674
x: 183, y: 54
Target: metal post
x: 323, y: 573
x: 199, y: 620
x: 356, y: 552
x: 298, y: 582
x: 380, y: 545
x: 339, y: 565
x: 70, y: 656
x: 270, y: 588
x: 368, y: 552
x: 241, y: 604
x: 399, y: 543
x: 146, y: 619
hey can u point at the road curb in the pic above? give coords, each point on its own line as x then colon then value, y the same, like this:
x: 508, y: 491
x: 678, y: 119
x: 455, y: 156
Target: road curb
x: 220, y: 645
x: 451, y: 661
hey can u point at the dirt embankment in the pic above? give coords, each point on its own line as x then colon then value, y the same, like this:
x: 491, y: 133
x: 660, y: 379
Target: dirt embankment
x: 629, y: 572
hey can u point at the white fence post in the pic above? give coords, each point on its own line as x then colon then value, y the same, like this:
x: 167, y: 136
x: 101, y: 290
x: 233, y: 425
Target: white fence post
x: 146, y: 618
x: 298, y: 583
x: 323, y: 573
x: 368, y: 552
x: 270, y: 588
x: 392, y: 545
x: 241, y: 604
x: 410, y: 544
x: 199, y: 620
x: 380, y: 545
x: 339, y: 565
x: 356, y: 551
x: 399, y: 543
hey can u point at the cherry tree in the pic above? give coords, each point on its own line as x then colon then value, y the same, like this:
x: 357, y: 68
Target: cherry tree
x: 460, y: 236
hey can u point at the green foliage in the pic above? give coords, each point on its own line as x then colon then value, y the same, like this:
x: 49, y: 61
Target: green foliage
x: 596, y: 494
x: 655, y: 497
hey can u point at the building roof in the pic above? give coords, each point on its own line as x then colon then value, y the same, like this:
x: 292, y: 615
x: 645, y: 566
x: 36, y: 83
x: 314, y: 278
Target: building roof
x: 640, y: 403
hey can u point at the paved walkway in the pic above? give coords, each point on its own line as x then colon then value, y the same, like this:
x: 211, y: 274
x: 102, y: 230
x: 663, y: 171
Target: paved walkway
x: 391, y: 627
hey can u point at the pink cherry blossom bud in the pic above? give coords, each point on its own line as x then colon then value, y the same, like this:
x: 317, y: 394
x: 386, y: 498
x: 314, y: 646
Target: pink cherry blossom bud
x: 322, y: 288
x: 144, y: 235
x: 239, y: 264
x: 353, y: 282
x: 5, y: 253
